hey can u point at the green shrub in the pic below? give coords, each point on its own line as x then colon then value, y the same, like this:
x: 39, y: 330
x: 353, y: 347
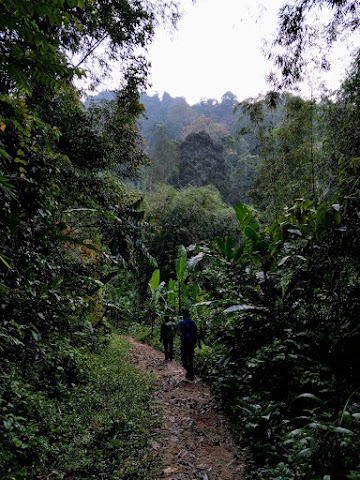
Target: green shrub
x: 100, y: 429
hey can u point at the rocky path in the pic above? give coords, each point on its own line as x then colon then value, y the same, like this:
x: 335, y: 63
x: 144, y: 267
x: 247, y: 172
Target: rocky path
x: 192, y: 441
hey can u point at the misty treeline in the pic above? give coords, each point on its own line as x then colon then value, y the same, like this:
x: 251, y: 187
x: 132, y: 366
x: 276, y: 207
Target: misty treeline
x: 115, y: 213
x: 265, y: 151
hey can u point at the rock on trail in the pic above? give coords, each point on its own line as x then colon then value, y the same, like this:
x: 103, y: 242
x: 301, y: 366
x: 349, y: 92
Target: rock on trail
x: 192, y: 441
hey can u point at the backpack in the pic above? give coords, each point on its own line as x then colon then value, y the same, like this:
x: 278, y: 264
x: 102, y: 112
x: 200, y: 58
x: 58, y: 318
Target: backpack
x: 169, y: 329
x: 188, y: 331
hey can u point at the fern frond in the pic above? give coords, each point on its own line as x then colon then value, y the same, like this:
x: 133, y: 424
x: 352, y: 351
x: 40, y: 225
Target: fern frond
x: 17, y: 76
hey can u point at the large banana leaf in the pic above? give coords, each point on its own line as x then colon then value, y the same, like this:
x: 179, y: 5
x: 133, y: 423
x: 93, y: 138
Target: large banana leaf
x: 181, y: 263
x: 155, y: 280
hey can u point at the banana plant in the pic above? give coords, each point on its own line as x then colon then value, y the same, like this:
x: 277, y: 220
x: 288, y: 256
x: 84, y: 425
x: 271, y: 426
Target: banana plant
x: 185, y: 292
x: 181, y: 274
x: 259, y: 246
x: 172, y: 295
x: 155, y: 288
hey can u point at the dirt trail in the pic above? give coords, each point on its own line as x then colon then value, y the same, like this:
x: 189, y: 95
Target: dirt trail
x: 192, y: 441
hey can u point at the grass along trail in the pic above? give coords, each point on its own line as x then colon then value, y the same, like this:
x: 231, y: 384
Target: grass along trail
x: 191, y: 441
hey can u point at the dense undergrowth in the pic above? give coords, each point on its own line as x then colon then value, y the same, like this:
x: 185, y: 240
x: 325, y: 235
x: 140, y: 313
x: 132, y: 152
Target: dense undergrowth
x: 278, y: 305
x: 282, y: 361
x: 98, y: 429
x: 279, y: 315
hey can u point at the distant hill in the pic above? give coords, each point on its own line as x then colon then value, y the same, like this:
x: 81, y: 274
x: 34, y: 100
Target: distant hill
x: 176, y: 115
x: 105, y: 95
x: 204, y: 138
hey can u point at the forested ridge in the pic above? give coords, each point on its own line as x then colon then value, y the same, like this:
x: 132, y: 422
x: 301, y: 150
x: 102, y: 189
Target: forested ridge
x: 117, y: 212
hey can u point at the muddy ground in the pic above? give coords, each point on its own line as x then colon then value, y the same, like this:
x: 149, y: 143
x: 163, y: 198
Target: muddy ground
x: 192, y: 440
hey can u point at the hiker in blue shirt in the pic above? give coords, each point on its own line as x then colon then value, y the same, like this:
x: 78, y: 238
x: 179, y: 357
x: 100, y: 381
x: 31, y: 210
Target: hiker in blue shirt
x: 188, y: 333
x: 167, y: 334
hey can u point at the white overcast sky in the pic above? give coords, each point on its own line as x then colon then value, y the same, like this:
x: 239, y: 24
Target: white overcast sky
x: 218, y: 47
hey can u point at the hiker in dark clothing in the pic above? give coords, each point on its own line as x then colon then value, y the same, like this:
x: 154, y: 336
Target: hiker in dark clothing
x: 188, y: 333
x: 167, y: 334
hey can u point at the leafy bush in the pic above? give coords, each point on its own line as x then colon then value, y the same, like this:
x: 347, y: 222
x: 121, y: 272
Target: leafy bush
x: 96, y: 430
x: 282, y: 360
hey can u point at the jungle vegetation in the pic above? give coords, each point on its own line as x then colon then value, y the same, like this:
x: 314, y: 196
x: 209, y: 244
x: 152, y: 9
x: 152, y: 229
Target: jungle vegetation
x: 114, y: 213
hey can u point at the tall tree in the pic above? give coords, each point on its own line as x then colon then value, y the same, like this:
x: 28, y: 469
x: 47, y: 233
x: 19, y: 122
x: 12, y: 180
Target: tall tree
x: 184, y: 217
x: 201, y: 162
x: 341, y: 123
x: 164, y: 161
x: 205, y: 124
x: 65, y: 224
x: 178, y: 116
x: 73, y: 27
x: 303, y: 25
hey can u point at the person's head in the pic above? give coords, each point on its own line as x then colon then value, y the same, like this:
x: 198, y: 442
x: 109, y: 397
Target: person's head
x: 166, y: 318
x: 186, y: 313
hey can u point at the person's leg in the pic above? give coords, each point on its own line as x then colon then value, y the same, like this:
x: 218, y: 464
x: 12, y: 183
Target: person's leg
x: 171, y: 348
x: 191, y: 362
x: 184, y: 357
x: 166, y: 349
x: 188, y: 360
